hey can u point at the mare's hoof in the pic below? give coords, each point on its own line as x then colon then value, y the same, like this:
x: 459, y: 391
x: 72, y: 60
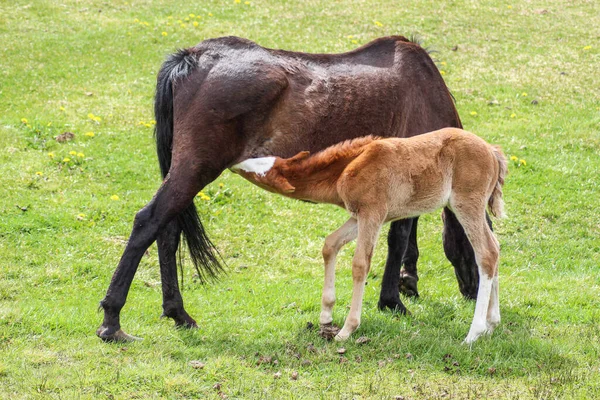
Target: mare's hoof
x: 328, y: 331
x: 408, y: 284
x: 183, y: 321
x: 186, y: 325
x: 110, y: 335
x: 394, y: 305
x: 469, y: 294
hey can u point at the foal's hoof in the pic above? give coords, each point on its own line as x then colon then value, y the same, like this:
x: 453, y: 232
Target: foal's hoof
x: 328, y: 331
x: 408, y: 284
x: 110, y: 335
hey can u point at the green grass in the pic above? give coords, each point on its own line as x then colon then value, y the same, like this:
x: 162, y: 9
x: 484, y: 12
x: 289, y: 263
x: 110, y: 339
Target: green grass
x: 61, y: 234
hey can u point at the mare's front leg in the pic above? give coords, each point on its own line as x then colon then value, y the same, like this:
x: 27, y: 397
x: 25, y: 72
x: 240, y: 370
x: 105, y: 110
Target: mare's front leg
x: 168, y: 243
x: 333, y: 243
x: 402, y: 249
x: 368, y: 231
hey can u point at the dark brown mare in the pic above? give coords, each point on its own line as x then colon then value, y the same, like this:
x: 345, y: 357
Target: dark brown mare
x: 229, y: 99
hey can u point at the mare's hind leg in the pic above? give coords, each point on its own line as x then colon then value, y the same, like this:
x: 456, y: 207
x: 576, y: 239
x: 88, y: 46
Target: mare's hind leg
x: 460, y: 253
x: 398, y: 242
x: 168, y: 243
x: 408, y: 274
x: 486, y: 250
x: 368, y: 231
x: 175, y: 194
x: 333, y: 243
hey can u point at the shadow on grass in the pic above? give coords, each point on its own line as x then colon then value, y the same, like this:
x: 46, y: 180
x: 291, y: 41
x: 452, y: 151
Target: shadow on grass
x: 403, y: 343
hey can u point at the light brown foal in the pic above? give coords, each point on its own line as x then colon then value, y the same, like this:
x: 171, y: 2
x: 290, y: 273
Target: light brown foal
x: 380, y: 180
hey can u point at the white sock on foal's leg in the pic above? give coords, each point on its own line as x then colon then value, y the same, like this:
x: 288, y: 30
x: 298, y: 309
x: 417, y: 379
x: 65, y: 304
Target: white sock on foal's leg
x: 479, y: 325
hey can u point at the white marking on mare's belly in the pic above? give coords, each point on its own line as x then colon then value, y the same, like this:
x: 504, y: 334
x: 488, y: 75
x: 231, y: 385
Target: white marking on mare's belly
x: 260, y: 166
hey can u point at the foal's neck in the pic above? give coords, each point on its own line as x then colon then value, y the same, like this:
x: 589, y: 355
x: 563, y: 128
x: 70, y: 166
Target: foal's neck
x: 315, y: 178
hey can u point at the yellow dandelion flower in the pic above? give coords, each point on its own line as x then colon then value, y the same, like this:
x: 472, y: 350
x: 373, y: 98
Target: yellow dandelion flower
x: 247, y: 3
x: 210, y: 14
x: 444, y: 63
x: 513, y: 115
x: 221, y: 185
x: 355, y: 42
x: 80, y: 155
x: 24, y: 120
x: 114, y: 197
x: 192, y: 15
x: 473, y: 113
x: 509, y: 7
x: 136, y: 20
x: 164, y: 33
x: 442, y: 72
x: 153, y: 122
x: 237, y: 1
x: 182, y: 25
x: 80, y: 216
x: 145, y: 23
x: 179, y: 21
x: 378, y: 23
x: 198, y: 16
x: 170, y: 17
x: 514, y: 158
x: 39, y: 173
x: 522, y: 162
x: 62, y: 108
x: 66, y: 159
x: 148, y: 125
x: 203, y: 196
x: 89, y: 134
x: 73, y: 153
x: 51, y: 155
x: 524, y: 94
x: 587, y: 48
x: 49, y: 124
x: 195, y: 23
x: 186, y: 19
x: 29, y: 126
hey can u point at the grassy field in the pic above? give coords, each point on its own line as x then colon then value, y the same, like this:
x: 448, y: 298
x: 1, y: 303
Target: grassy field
x: 525, y: 75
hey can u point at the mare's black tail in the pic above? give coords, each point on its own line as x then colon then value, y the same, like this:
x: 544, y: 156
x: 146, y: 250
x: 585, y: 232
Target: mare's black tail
x: 203, y: 253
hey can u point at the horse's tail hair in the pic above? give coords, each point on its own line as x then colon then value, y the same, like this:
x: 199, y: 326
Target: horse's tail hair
x: 496, y: 202
x: 203, y: 253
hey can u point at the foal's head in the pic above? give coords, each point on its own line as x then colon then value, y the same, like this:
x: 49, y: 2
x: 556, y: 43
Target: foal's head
x: 270, y: 172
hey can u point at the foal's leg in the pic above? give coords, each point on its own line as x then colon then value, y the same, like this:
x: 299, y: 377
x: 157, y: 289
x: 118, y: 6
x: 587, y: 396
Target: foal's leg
x: 333, y: 243
x: 168, y: 243
x: 486, y: 249
x: 175, y: 194
x: 493, y: 315
x: 398, y: 243
x: 368, y: 231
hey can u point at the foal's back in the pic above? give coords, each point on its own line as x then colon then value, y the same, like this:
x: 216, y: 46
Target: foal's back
x: 407, y: 177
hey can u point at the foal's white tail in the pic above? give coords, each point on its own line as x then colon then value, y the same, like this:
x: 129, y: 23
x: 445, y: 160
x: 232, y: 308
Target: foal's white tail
x: 495, y: 202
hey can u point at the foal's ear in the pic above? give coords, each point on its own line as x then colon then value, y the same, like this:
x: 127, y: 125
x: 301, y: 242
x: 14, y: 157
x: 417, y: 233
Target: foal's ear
x: 299, y: 157
x: 281, y: 184
x: 285, y: 186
